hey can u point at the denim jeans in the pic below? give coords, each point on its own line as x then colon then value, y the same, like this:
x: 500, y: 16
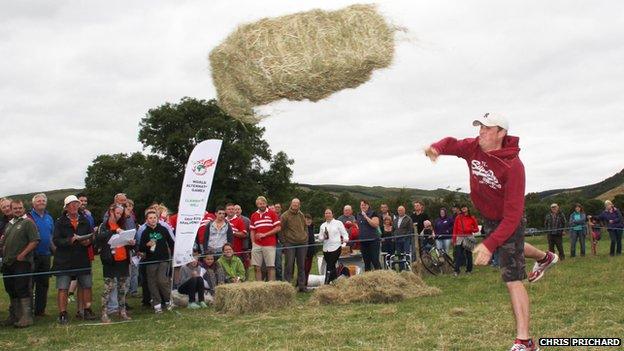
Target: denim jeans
x: 444, y: 244
x: 113, y: 304
x: 574, y: 236
x: 133, y: 286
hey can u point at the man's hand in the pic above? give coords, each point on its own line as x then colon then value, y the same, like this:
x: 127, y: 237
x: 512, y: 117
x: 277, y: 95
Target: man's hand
x: 483, y: 255
x: 432, y: 153
x: 21, y: 258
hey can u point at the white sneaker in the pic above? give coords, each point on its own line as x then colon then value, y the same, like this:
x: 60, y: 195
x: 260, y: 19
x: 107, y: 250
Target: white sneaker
x: 539, y: 268
x: 158, y: 309
x: 519, y: 346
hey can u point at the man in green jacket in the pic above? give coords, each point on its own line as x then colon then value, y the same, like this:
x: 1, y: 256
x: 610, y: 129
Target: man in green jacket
x: 294, y: 236
x: 21, y: 237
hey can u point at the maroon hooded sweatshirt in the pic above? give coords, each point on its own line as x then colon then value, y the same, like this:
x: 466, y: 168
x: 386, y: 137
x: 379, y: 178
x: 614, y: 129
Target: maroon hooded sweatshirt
x: 497, y: 183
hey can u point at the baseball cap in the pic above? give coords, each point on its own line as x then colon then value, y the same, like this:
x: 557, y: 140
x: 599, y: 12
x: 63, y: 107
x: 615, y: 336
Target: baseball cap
x: 70, y: 199
x: 553, y: 205
x: 492, y: 119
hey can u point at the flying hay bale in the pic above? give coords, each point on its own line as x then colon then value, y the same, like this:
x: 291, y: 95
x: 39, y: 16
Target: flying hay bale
x: 306, y: 55
x: 253, y: 297
x: 384, y: 286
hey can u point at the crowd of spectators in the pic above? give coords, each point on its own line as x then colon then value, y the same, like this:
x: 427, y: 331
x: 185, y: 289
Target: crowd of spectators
x: 228, y: 245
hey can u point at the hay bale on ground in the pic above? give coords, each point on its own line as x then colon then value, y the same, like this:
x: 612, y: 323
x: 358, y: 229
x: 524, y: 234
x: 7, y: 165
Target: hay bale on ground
x: 384, y: 286
x: 253, y: 297
x: 307, y: 55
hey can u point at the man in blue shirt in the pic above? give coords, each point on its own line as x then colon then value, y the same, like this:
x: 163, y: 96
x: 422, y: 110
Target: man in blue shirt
x: 43, y: 252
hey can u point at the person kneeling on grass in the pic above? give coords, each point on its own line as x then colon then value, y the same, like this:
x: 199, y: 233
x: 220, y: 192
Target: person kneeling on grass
x: 192, y: 284
x: 232, y: 265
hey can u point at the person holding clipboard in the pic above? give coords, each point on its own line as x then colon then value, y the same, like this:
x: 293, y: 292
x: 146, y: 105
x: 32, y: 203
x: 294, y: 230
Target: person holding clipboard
x: 115, y: 261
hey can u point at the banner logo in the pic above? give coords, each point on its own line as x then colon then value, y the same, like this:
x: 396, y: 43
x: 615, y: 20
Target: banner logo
x: 201, y: 167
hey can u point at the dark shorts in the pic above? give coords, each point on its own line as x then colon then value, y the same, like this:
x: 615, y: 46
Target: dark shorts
x: 511, y: 253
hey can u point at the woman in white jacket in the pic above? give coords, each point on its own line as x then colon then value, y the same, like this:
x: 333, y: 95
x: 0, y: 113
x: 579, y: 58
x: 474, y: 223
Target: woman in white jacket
x: 334, y: 236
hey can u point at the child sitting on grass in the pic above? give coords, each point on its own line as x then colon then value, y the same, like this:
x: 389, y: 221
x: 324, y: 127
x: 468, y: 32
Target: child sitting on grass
x: 192, y: 284
x: 212, y: 273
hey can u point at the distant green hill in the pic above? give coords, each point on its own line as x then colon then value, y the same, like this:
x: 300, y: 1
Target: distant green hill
x: 358, y: 191
x: 53, y: 195
x: 606, y: 189
x: 375, y: 192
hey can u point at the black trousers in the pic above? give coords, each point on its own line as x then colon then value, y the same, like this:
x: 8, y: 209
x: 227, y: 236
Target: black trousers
x: 191, y: 287
x: 556, y: 240
x: 17, y: 287
x: 41, y: 283
x: 370, y: 254
x: 331, y: 258
x: 146, y: 297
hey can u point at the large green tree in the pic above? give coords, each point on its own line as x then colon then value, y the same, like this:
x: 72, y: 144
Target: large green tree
x: 246, y: 167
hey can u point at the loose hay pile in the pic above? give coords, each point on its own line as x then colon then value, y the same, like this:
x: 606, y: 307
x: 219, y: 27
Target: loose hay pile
x: 306, y: 55
x: 382, y: 286
x: 253, y: 297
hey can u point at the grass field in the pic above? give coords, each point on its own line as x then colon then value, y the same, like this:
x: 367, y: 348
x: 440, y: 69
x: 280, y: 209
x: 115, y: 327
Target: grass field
x: 582, y: 296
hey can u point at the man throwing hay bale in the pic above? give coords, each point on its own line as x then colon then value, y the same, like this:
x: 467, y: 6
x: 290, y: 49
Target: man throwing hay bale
x: 497, y: 182
x: 307, y: 55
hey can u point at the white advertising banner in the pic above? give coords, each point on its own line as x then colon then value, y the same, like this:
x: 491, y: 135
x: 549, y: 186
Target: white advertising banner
x: 196, y: 187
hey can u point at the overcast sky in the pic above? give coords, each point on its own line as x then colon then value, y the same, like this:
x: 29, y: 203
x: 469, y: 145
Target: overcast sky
x: 77, y: 76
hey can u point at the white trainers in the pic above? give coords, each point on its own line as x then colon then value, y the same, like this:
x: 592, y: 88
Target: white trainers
x: 518, y: 346
x: 158, y: 309
x: 539, y: 268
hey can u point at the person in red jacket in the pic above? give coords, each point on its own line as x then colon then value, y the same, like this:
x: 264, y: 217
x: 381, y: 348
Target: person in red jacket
x: 497, y: 182
x: 465, y: 226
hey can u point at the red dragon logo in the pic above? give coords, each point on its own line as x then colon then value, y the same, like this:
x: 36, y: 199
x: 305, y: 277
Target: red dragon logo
x: 201, y: 167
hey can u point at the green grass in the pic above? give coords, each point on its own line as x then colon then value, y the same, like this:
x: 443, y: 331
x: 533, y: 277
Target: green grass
x: 580, y: 297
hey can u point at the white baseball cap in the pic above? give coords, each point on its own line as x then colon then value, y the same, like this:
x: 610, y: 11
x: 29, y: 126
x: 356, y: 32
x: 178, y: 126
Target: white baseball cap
x: 69, y: 200
x: 491, y: 119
